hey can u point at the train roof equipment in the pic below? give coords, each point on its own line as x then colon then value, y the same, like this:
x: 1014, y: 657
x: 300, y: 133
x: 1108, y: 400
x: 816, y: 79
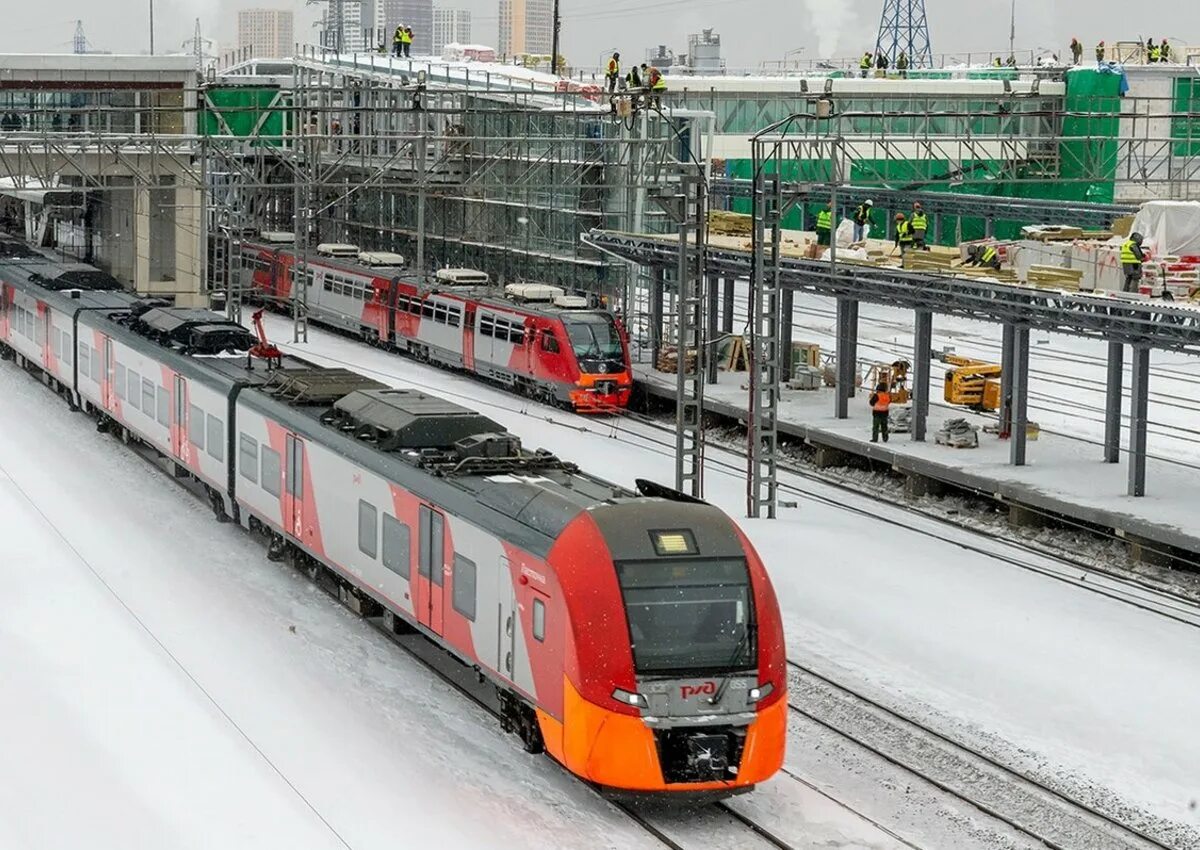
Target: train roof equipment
x: 277, y: 237
x: 381, y: 259
x: 189, y: 330
x: 533, y: 292
x: 571, y: 302
x: 462, y: 277
x: 341, y: 250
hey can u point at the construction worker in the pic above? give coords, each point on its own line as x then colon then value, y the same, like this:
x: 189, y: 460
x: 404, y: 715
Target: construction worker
x: 919, y: 224
x: 657, y: 85
x: 1132, y: 257
x: 612, y: 71
x: 1152, y: 51
x: 824, y: 225
x: 1164, y: 52
x: 881, y: 404
x: 398, y: 41
x: 862, y: 220
x: 864, y: 65
x: 904, y: 234
x: 881, y: 63
x: 1100, y: 52
x: 408, y: 40
x: 1011, y: 61
x: 1076, y: 51
x: 633, y: 79
x: 902, y: 65
x: 996, y: 63
x: 983, y: 255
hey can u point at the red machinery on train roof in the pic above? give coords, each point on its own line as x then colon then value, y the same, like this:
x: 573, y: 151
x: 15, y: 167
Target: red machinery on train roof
x: 533, y: 338
x: 634, y: 636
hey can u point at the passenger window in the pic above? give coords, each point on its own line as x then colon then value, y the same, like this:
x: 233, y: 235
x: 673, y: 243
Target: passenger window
x: 486, y: 325
x: 97, y: 364
x: 396, y: 554
x: 216, y: 438
x: 549, y: 342
x: 164, y: 407
x: 248, y: 457
x: 148, y: 404
x: 135, y: 388
x: 539, y: 620
x: 122, y: 377
x: 368, y: 529
x: 195, y: 424
x: 272, y: 471
x: 464, y: 586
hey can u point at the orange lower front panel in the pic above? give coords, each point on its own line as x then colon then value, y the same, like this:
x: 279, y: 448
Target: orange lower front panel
x: 618, y: 750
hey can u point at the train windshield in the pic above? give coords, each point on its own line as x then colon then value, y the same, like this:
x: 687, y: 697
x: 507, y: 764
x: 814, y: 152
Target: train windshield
x: 689, y: 617
x: 594, y: 337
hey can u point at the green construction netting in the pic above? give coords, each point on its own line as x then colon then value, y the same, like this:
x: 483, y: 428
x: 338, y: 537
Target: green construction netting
x: 245, y: 112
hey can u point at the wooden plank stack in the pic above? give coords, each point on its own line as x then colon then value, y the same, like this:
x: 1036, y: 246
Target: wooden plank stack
x: 730, y: 223
x: 668, y: 360
x: 1053, y: 277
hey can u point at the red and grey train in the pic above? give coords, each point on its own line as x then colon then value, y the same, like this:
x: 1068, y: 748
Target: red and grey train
x: 534, y: 339
x: 634, y: 636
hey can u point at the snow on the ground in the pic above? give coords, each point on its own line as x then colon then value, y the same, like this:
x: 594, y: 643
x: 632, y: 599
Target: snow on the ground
x: 155, y: 694
x: 1086, y: 687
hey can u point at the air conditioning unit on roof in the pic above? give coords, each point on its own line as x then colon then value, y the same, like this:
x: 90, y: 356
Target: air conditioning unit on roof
x: 571, y: 302
x: 380, y: 258
x: 277, y: 237
x: 337, y: 249
x: 532, y: 292
x: 462, y: 277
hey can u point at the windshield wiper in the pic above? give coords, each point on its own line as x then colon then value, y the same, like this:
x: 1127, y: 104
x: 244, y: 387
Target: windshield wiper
x: 743, y: 643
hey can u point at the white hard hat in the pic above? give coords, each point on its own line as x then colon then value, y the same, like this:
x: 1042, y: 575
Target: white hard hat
x: 869, y: 202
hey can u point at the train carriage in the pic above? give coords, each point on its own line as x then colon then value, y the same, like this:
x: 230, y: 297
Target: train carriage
x: 532, y: 338
x: 633, y: 635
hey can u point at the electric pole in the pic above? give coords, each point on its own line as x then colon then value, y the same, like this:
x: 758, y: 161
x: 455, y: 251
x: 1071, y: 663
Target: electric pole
x: 554, y: 47
x: 1012, y: 31
x: 151, y: 27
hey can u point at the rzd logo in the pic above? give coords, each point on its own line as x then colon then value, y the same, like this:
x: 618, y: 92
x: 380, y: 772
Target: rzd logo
x: 706, y: 689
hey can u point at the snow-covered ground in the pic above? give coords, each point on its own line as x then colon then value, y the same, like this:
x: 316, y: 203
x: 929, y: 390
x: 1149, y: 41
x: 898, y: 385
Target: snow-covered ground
x: 1056, y: 678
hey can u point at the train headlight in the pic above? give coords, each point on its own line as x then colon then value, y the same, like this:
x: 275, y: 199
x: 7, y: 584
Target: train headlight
x: 630, y: 698
x: 761, y: 692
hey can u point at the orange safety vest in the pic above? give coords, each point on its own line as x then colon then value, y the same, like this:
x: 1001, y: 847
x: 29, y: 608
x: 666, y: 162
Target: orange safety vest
x: 883, y: 401
x: 614, y: 67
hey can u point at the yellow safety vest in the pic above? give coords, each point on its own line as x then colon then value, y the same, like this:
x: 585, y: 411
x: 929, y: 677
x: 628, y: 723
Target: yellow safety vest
x: 1128, y: 258
x: 864, y: 63
x: 919, y: 221
x: 398, y: 36
x: 989, y: 254
x: 405, y: 37
x: 824, y: 220
x: 904, y: 231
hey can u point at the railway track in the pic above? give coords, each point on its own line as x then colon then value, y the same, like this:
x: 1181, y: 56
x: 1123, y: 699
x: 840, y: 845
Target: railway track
x: 1026, y: 804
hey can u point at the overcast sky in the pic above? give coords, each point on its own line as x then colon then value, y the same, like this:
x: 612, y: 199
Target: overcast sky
x: 751, y: 30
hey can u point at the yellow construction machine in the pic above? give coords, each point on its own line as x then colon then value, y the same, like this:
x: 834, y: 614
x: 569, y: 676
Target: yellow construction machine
x: 894, y: 376
x: 972, y: 383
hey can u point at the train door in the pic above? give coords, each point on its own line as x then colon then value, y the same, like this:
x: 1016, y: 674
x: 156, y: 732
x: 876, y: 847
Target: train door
x: 431, y: 568
x: 47, y: 336
x: 293, y: 487
x: 179, y: 440
x: 108, y: 395
x: 468, y: 336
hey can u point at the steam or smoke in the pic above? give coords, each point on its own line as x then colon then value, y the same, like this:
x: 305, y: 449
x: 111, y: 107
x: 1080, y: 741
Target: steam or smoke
x: 832, y: 21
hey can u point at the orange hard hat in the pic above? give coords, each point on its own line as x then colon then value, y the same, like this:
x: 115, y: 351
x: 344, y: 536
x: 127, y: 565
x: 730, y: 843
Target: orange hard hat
x: 899, y: 216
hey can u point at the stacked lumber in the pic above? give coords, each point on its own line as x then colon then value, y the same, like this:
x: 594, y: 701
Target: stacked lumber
x: 927, y: 261
x: 1053, y: 277
x: 668, y: 360
x: 1004, y: 275
x: 730, y: 223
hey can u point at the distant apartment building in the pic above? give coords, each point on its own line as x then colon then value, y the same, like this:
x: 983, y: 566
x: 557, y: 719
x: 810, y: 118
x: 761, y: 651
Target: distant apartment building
x: 266, y: 33
x: 450, y: 26
x: 526, y: 26
x: 417, y: 14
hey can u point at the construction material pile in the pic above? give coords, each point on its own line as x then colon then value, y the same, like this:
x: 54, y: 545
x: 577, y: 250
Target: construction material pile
x: 958, y: 434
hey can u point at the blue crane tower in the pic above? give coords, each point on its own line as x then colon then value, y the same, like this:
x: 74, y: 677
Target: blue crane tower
x: 902, y: 27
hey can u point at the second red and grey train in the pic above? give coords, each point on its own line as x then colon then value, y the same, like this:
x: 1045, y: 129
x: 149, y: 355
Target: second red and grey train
x: 534, y: 339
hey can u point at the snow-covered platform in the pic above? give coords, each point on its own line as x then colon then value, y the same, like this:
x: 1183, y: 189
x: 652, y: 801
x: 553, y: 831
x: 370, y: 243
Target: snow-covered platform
x: 1063, y: 476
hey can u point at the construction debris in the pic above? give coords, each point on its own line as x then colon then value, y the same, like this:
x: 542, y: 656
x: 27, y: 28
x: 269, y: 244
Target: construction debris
x: 668, y: 360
